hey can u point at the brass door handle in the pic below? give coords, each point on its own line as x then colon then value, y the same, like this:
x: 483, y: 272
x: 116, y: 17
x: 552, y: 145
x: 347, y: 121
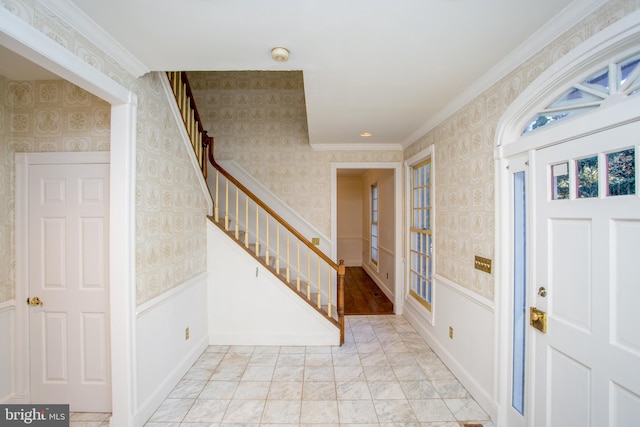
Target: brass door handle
x: 33, y: 302
x: 538, y: 319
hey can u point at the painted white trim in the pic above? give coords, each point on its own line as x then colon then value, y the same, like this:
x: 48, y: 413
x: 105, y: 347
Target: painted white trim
x: 468, y: 294
x: 20, y: 37
x: 567, y: 18
x: 611, y: 44
x: 82, y: 23
x: 399, y: 284
x: 467, y: 379
x: 177, y: 115
x: 150, y: 305
x: 23, y: 161
x: 161, y: 331
x: 63, y: 158
x: 356, y: 147
x: 422, y: 155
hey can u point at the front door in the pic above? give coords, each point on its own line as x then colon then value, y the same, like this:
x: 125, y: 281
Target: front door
x: 586, y: 278
x: 68, y: 285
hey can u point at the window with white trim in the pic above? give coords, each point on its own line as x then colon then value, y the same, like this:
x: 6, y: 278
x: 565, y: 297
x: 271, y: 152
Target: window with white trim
x: 618, y: 79
x: 374, y: 224
x: 421, y: 236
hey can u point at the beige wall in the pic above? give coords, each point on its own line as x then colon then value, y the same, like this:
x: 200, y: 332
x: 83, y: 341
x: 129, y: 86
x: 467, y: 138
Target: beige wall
x: 463, y: 159
x: 42, y: 116
x: 349, y: 211
x: 170, y: 205
x: 384, y: 272
x: 258, y: 120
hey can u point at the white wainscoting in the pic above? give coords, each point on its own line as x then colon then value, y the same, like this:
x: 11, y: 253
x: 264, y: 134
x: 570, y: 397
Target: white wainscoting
x: 384, y: 274
x: 7, y: 350
x: 249, y: 306
x: 163, y: 353
x: 470, y: 354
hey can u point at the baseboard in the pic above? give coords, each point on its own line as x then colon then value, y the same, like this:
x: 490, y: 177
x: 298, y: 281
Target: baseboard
x: 16, y: 398
x: 374, y: 276
x: 481, y: 396
x: 150, y: 405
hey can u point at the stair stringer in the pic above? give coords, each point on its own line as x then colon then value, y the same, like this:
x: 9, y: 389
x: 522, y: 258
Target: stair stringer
x: 304, y: 277
x: 248, y: 305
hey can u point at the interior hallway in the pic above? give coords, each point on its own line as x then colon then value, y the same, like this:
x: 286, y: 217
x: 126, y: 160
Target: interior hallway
x: 384, y: 374
x: 362, y: 295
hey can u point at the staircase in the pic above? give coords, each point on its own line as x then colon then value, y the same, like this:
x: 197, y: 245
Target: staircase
x: 261, y: 232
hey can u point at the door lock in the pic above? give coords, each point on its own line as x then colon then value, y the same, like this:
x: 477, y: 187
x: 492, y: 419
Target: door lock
x: 34, y: 302
x: 538, y: 319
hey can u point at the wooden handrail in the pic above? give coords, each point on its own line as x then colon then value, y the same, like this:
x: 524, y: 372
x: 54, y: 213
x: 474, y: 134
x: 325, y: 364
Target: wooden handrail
x: 270, y: 211
x: 203, y: 146
x: 200, y: 139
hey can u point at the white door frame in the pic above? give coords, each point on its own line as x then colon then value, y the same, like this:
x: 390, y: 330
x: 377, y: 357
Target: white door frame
x: 610, y: 45
x: 22, y: 38
x: 23, y: 161
x: 399, y: 292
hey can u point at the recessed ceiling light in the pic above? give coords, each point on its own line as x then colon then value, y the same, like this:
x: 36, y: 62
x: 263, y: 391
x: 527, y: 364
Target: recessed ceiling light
x: 366, y: 134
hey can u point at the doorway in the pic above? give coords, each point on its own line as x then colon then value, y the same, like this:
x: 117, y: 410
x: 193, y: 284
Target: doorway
x: 569, y: 215
x: 66, y: 229
x: 373, y: 246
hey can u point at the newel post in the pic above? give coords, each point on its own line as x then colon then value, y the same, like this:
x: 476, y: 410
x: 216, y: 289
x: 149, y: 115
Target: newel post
x: 341, y: 274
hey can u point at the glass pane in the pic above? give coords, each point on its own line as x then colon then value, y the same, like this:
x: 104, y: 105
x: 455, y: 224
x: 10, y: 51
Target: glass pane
x: 621, y: 172
x: 519, y: 291
x: 575, y: 97
x: 560, y: 180
x: 427, y: 173
x: 427, y: 219
x: 600, y: 81
x: 587, y: 170
x: 626, y: 68
x: 544, y: 119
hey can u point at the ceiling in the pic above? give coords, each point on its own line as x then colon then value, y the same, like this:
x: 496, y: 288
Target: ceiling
x: 389, y: 67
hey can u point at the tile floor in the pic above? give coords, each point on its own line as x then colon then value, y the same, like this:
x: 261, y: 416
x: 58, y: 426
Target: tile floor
x: 384, y: 375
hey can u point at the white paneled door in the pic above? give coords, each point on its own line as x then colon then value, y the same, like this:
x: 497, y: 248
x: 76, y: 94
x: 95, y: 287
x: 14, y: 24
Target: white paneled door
x: 68, y: 285
x: 587, y: 280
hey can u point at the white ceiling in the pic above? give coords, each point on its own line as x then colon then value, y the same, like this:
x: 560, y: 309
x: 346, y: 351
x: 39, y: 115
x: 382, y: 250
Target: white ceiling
x: 390, y: 67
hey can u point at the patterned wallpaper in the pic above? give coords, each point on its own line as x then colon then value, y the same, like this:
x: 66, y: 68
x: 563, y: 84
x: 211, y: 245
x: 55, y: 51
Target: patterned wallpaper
x: 170, y: 205
x: 464, y: 145
x: 42, y: 116
x: 279, y: 155
x: 258, y: 119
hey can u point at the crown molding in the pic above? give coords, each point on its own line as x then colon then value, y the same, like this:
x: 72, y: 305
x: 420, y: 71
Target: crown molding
x: 356, y: 147
x: 565, y: 19
x: 83, y: 24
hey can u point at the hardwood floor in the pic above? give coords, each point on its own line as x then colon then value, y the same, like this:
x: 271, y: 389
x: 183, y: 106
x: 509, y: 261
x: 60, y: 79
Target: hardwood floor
x: 362, y: 295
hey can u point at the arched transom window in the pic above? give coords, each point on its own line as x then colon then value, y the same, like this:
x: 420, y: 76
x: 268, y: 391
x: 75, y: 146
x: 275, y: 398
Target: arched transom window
x: 616, y: 80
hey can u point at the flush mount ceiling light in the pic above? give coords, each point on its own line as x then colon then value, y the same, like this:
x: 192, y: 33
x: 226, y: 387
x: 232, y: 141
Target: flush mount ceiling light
x: 280, y: 54
x: 366, y: 134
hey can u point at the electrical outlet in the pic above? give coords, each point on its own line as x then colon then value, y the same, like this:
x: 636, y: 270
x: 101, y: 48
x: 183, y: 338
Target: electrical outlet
x: 186, y: 333
x: 451, y: 332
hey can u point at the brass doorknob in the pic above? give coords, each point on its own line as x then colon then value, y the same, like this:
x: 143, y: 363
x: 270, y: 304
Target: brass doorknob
x: 35, y: 301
